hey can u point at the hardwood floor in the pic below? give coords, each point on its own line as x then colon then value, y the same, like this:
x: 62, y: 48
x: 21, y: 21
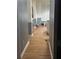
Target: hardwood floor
x: 38, y: 47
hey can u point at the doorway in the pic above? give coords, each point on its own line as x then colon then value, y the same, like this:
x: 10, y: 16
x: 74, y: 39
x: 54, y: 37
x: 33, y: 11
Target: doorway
x: 35, y: 29
x: 39, y: 46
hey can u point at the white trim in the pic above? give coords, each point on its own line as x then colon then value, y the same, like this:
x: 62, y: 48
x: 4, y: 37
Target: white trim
x: 50, y: 50
x: 25, y: 49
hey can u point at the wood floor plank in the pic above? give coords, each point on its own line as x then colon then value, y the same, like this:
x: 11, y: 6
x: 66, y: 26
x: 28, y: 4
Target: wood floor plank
x: 38, y: 47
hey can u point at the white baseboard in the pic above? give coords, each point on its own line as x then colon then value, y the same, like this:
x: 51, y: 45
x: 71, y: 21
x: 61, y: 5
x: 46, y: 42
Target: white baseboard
x: 50, y: 51
x: 25, y: 49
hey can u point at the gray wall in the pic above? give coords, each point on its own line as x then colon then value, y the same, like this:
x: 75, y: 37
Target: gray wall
x: 51, y: 25
x: 23, y: 24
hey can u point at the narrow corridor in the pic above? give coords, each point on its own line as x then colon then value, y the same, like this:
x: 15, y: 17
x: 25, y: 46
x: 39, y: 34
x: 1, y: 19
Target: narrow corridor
x: 38, y: 47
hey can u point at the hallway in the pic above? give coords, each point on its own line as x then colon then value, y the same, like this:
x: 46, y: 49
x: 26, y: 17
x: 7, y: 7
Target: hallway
x: 38, y: 47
